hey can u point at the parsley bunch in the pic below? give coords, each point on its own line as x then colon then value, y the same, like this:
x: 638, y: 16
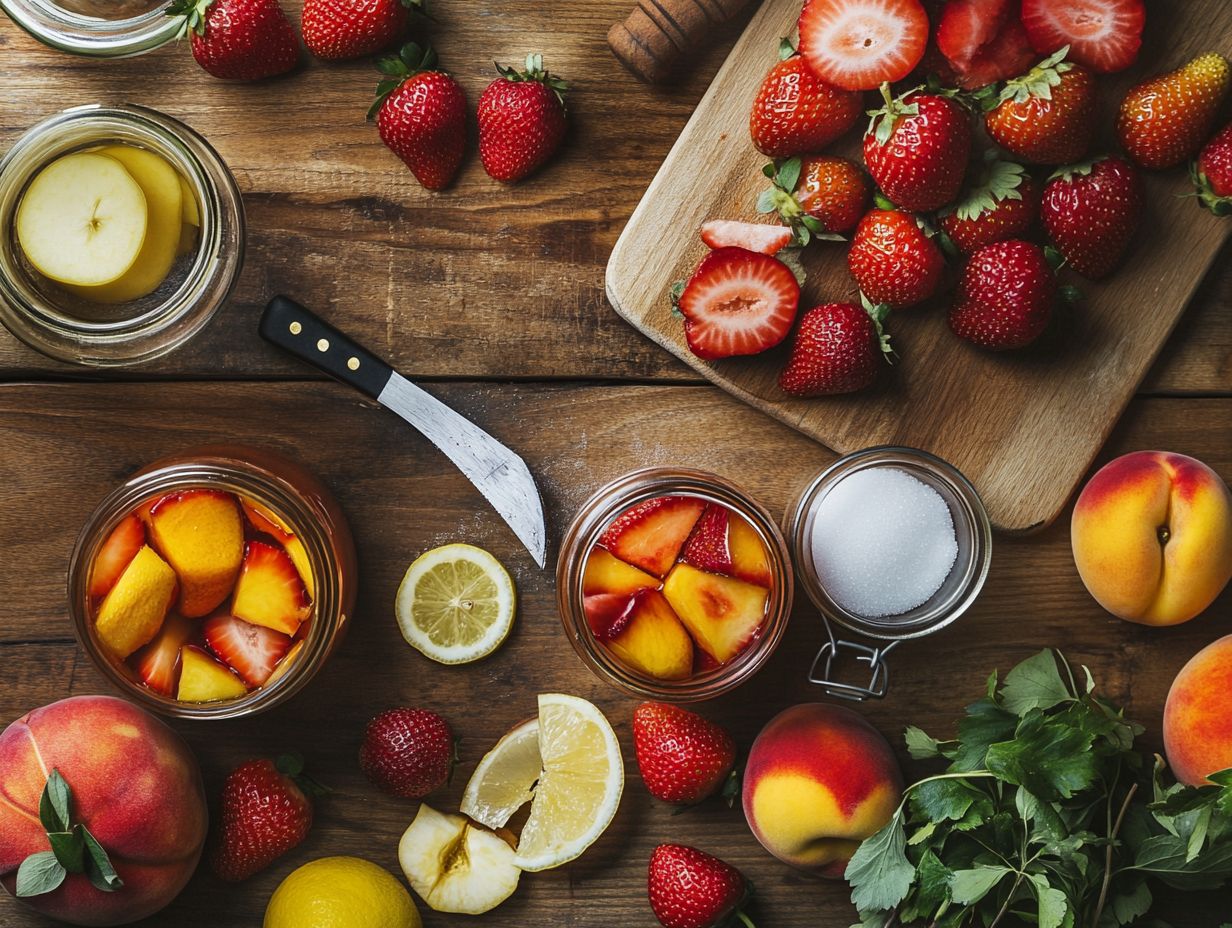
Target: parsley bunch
x: 1045, y: 815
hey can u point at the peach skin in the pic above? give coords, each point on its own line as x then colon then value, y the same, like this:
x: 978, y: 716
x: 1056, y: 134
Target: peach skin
x: 819, y: 780
x: 1152, y: 537
x: 1198, y: 715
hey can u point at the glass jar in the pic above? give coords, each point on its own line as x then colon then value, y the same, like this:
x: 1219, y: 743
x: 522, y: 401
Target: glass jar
x: 96, y: 28
x: 593, y: 519
x: 68, y: 328
x: 299, y: 500
x: 959, y: 590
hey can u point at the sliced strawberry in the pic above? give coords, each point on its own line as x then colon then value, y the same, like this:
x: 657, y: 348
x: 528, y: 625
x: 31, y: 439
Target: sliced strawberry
x: 608, y: 613
x: 859, y: 44
x: 269, y: 591
x: 121, y: 546
x: 708, y: 546
x: 250, y: 650
x: 158, y: 663
x: 761, y: 237
x: 966, y: 26
x: 1008, y: 55
x: 1103, y: 35
x: 651, y: 534
x: 738, y: 302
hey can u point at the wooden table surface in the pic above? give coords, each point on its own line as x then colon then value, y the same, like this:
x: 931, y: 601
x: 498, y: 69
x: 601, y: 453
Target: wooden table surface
x: 496, y: 294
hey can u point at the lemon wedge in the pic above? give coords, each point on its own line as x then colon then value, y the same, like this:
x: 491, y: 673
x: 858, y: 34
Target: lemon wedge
x: 505, y: 779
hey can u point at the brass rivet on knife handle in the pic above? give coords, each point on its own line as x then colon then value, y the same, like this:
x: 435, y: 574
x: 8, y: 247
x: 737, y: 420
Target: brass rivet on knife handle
x: 658, y: 34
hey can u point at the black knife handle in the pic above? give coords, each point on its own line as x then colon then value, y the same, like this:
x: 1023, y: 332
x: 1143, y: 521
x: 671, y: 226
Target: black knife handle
x: 310, y: 338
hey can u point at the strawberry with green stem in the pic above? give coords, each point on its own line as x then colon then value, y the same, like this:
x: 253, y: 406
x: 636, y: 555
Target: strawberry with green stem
x: 1090, y: 212
x: 1002, y: 204
x: 894, y: 259
x: 1047, y: 116
x: 816, y: 197
x: 1163, y: 121
x: 838, y: 348
x: 339, y: 30
x: 796, y: 113
x: 521, y: 120
x: 243, y: 40
x: 1212, y: 173
x: 689, y: 888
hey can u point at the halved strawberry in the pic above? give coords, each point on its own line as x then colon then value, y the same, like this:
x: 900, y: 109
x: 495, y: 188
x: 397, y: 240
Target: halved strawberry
x: 708, y: 546
x: 860, y: 44
x: 269, y: 591
x: 158, y: 663
x: 250, y: 650
x: 119, y: 549
x: 1103, y: 35
x: 1009, y: 54
x: 966, y: 26
x: 761, y: 237
x: 651, y: 534
x: 738, y: 302
x: 608, y: 613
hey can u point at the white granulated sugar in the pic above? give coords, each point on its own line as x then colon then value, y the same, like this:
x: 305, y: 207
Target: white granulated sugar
x: 883, y: 542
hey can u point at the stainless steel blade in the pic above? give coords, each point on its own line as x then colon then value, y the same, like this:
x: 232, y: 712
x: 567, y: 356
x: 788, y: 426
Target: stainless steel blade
x: 499, y: 474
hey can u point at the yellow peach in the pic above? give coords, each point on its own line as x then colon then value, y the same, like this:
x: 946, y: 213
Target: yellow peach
x: 1198, y: 715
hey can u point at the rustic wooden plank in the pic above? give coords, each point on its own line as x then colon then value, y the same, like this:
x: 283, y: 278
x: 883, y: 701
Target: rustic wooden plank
x: 1024, y: 426
x: 66, y: 445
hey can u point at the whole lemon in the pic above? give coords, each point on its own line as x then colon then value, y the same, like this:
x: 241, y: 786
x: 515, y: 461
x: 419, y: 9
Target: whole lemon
x: 341, y: 892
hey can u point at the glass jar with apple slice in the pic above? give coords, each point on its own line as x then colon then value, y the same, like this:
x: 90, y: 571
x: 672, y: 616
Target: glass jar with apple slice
x: 124, y: 233
x: 213, y: 584
x: 674, y: 584
x: 96, y: 28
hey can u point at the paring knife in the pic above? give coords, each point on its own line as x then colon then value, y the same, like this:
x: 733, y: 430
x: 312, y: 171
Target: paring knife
x: 499, y: 474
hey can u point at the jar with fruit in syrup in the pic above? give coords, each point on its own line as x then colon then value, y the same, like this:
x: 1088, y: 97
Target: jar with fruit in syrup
x: 124, y: 232
x: 674, y: 584
x: 96, y: 28
x: 215, y: 583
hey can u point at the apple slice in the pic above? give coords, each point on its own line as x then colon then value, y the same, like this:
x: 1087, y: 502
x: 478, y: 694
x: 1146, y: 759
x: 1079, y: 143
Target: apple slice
x: 164, y: 204
x: 201, y: 535
x: 604, y: 573
x: 455, y: 865
x: 651, y: 534
x: 158, y: 663
x: 133, y: 611
x: 82, y: 220
x: 721, y: 613
x: 116, y: 553
x: 203, y: 679
x: 250, y: 650
x: 750, y: 561
x: 190, y: 215
x: 651, y: 640
x: 269, y: 591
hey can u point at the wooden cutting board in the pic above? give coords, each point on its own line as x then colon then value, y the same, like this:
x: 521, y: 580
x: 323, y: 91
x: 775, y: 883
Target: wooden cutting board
x: 1025, y: 426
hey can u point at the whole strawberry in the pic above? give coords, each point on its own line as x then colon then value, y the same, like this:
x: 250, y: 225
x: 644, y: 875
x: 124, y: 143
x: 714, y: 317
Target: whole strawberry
x: 1212, y: 173
x: 1006, y: 296
x: 797, y: 113
x: 264, y: 813
x: 337, y: 30
x: 838, y: 349
x: 1091, y: 211
x: 816, y: 197
x: 683, y: 757
x: 690, y: 889
x: 408, y: 752
x: 1164, y: 120
x: 1003, y: 204
x: 521, y: 120
x: 893, y: 260
x: 421, y: 115
x: 917, y: 147
x: 1046, y: 116
x: 241, y: 40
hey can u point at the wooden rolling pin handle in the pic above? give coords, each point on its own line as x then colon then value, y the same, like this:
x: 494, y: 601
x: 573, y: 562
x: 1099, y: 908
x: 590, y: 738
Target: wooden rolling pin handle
x: 658, y: 34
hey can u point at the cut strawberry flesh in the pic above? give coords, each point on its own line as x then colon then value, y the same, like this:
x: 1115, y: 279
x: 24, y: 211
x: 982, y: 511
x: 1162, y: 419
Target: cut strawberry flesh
x: 607, y: 613
x: 158, y: 663
x: 121, y: 546
x: 738, y: 302
x: 708, y: 547
x: 651, y: 534
x: 269, y: 591
x: 967, y: 26
x: 1008, y: 55
x: 761, y: 237
x: 250, y: 650
x: 859, y: 44
x: 1103, y: 35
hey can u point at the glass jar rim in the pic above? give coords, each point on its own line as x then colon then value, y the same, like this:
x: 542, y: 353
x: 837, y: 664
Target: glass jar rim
x: 163, y: 326
x: 593, y: 518
x: 934, y: 471
x: 92, y: 36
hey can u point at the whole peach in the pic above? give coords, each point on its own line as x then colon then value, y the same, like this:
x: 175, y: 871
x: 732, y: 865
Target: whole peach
x: 1152, y: 537
x: 135, y: 785
x: 1198, y: 715
x: 819, y: 780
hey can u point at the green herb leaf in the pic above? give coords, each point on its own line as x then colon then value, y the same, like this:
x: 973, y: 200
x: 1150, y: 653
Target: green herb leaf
x: 1164, y: 857
x: 879, y: 872
x: 98, y: 865
x: 55, y: 804
x: 1127, y: 906
x: 1053, y: 906
x: 1034, y: 684
x: 944, y: 800
x: 1048, y: 757
x: 921, y: 745
x: 69, y: 849
x: 38, y: 874
x: 789, y: 174
x: 986, y: 724
x: 968, y: 887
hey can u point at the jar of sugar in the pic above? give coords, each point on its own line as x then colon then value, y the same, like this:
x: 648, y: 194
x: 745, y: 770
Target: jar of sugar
x: 890, y: 544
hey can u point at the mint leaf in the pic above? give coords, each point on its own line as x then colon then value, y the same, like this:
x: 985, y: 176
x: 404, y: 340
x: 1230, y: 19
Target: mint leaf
x: 55, y: 804
x: 920, y: 744
x: 1034, y: 684
x: 98, y: 865
x: 69, y: 849
x: 1049, y: 758
x: 967, y: 887
x: 879, y: 872
x: 39, y: 873
x: 1053, y: 906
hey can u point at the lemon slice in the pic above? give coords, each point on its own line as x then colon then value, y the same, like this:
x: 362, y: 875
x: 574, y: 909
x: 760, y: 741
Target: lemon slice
x: 455, y: 604
x: 579, y: 786
x: 505, y: 779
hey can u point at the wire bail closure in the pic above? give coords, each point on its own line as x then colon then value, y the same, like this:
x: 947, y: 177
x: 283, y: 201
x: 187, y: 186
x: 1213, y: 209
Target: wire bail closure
x: 873, y: 655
